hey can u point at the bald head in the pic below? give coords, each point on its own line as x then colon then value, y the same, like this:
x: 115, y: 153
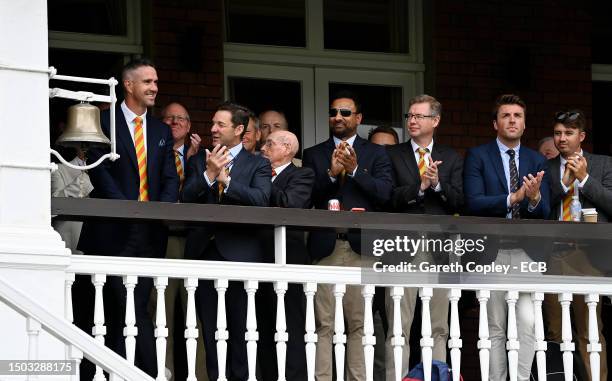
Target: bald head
x: 280, y: 148
x: 271, y: 121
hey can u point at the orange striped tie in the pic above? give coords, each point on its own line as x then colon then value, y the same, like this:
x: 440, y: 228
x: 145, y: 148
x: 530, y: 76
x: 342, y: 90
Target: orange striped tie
x: 221, y: 185
x: 567, y: 202
x: 141, y: 156
x: 422, y: 165
x: 179, y: 167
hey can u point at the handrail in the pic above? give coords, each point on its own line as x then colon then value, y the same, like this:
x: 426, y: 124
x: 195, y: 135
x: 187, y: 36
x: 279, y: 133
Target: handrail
x: 68, y: 333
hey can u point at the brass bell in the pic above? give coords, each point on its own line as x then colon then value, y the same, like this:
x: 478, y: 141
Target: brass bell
x: 83, y: 128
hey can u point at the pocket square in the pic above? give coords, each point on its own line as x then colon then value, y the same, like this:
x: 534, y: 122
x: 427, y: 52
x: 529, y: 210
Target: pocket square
x: 162, y: 142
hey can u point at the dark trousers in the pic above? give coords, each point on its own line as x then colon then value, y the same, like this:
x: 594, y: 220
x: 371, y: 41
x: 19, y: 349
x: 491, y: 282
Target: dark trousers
x: 236, y: 312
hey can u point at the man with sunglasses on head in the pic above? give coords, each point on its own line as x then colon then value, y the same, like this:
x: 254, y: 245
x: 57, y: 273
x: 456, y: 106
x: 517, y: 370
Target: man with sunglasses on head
x: 505, y: 179
x: 358, y: 174
x: 591, y: 175
x: 427, y: 179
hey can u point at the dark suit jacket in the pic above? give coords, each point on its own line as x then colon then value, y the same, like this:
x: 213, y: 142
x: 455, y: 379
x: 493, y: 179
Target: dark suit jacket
x: 486, y: 189
x: 120, y: 180
x: 250, y: 186
x: 407, y: 182
x: 597, y: 191
x: 370, y: 188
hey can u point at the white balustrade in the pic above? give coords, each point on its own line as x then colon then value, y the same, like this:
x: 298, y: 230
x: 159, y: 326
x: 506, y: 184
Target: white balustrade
x: 455, y: 343
x: 130, y: 331
x: 161, y: 332
x: 484, y: 343
x: 191, y: 332
x: 281, y: 337
x: 68, y: 282
x: 567, y: 347
x: 222, y: 334
x: 99, y: 329
x: 251, y: 336
x: 397, y: 341
x: 512, y: 345
x: 339, y: 336
x: 540, y: 344
x: 33, y: 328
x: 426, y: 340
x: 76, y: 355
x: 310, y: 337
x: 368, y: 340
x: 593, y: 347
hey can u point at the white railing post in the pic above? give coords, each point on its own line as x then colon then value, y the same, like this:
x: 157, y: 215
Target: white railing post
x: 426, y: 340
x: 161, y: 332
x: 310, y: 337
x: 512, y: 345
x: 339, y: 336
x: 33, y: 328
x: 280, y: 245
x: 368, y: 340
x: 191, y: 332
x: 567, y: 347
x: 398, y: 341
x: 540, y: 344
x: 68, y: 282
x: 76, y: 355
x: 455, y: 343
x: 281, y: 336
x: 130, y: 331
x: 221, y: 335
x: 251, y: 336
x: 99, y: 329
x: 594, y: 347
x: 484, y: 343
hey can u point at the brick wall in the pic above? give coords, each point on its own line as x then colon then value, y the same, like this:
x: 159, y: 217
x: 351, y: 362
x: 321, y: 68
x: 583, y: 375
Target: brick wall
x: 540, y: 50
x: 188, y: 51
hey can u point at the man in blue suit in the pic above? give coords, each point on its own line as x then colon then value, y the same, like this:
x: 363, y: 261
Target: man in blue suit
x: 505, y: 179
x: 231, y: 175
x: 149, y: 175
x: 358, y: 173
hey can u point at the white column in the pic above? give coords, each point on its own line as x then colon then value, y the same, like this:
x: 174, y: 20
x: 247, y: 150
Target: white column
x: 99, y: 329
x: 161, y: 332
x: 70, y: 277
x: 130, y: 331
x: 567, y: 347
x: 339, y: 336
x: 455, y: 343
x: 398, y: 341
x: 75, y: 355
x: 222, y: 335
x: 540, y: 344
x: 280, y: 245
x: 191, y: 332
x: 33, y: 328
x: 426, y: 339
x: 310, y: 337
x: 594, y: 347
x: 368, y: 340
x: 251, y: 336
x: 512, y: 345
x: 281, y: 336
x: 484, y: 343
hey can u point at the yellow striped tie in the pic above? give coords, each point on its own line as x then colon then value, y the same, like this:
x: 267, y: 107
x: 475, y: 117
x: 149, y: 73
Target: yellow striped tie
x: 179, y: 167
x: 422, y: 165
x: 567, y: 202
x: 141, y: 156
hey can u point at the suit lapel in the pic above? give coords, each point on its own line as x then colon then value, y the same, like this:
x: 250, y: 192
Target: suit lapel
x: 237, y: 167
x: 153, y: 140
x: 409, y: 160
x: 359, y: 147
x: 124, y: 136
x: 496, y: 160
x: 525, y: 164
x: 282, y: 178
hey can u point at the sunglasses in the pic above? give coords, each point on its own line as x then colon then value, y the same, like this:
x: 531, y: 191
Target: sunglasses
x: 562, y: 116
x: 344, y: 112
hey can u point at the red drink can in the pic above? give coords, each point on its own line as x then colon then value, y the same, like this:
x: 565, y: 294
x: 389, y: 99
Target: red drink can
x: 333, y: 204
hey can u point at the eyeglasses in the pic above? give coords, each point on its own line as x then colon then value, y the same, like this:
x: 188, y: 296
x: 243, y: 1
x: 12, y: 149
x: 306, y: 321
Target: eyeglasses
x: 563, y: 116
x: 178, y: 118
x: 344, y: 112
x: 418, y: 117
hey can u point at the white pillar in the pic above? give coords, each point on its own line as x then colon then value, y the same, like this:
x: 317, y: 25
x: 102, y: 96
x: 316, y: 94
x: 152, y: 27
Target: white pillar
x: 29, y: 247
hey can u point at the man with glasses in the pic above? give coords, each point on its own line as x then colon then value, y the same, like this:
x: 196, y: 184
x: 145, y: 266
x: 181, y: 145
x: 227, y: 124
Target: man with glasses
x: 358, y: 174
x: 590, y: 176
x: 229, y: 175
x: 505, y: 179
x: 427, y: 180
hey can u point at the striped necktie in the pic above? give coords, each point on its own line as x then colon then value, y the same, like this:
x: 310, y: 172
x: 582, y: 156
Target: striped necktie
x: 514, y: 183
x: 422, y: 165
x: 141, y: 156
x: 567, y: 202
x: 221, y: 185
x: 179, y: 167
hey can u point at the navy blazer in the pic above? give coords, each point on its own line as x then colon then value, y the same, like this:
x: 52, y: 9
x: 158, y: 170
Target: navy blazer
x: 120, y: 180
x: 370, y: 188
x: 250, y: 186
